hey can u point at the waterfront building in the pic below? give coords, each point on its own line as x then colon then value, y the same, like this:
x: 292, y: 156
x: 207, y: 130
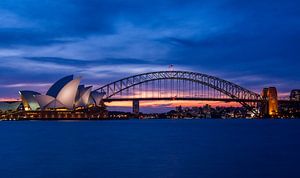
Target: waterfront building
x: 65, y: 94
x: 65, y: 99
x: 295, y: 95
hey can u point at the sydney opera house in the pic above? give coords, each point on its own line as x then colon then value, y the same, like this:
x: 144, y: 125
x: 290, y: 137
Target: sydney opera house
x: 65, y: 98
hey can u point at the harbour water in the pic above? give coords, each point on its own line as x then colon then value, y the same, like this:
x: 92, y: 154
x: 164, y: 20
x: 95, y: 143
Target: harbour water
x: 150, y: 148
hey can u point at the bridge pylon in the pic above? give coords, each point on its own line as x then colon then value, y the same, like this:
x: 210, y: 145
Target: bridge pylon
x: 136, y: 107
x: 269, y: 106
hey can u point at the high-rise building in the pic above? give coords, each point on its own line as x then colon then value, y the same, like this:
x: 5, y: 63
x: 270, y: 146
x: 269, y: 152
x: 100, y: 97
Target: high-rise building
x: 295, y: 95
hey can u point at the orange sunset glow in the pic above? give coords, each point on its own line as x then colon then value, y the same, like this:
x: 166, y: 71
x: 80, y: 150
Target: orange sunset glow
x: 173, y: 104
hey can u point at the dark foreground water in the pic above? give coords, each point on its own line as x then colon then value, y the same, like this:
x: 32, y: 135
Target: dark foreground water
x: 150, y: 148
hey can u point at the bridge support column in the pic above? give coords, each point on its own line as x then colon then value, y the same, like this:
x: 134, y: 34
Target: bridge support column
x: 136, y: 107
x: 273, y: 102
x: 270, y: 106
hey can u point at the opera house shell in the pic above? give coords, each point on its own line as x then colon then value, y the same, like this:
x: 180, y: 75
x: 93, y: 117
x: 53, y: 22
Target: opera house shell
x: 66, y: 93
x: 9, y: 106
x: 28, y: 100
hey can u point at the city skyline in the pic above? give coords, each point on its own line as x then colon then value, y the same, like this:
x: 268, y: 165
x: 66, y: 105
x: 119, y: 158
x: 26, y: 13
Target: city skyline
x: 107, y: 40
x: 69, y: 98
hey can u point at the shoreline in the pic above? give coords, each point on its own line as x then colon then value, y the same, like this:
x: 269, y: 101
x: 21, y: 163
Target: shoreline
x: 118, y: 119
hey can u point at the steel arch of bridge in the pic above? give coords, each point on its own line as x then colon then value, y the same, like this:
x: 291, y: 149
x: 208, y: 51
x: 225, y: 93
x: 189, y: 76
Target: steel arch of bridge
x: 234, y: 91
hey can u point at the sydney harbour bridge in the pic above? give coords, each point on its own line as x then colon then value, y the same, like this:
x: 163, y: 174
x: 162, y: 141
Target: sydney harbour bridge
x: 183, y: 85
x: 66, y: 98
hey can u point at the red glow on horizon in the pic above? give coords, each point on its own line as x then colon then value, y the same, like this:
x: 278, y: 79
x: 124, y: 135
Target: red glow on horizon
x: 9, y: 99
x: 173, y: 104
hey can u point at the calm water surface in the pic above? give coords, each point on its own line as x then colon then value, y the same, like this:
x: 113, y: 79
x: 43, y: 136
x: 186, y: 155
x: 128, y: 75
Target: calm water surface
x: 150, y: 148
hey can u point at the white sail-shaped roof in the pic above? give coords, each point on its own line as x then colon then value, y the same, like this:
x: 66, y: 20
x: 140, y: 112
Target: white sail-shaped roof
x: 28, y: 100
x: 57, y: 86
x: 44, y: 100
x: 6, y: 106
x: 55, y: 104
x: 65, y: 93
x: 83, y: 96
x: 68, y: 93
x: 97, y: 97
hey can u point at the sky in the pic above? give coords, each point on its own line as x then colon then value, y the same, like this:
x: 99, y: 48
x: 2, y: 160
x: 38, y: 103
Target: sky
x: 254, y: 43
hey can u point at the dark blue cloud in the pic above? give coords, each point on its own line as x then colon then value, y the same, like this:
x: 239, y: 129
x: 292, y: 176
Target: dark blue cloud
x: 86, y: 63
x: 254, y: 43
